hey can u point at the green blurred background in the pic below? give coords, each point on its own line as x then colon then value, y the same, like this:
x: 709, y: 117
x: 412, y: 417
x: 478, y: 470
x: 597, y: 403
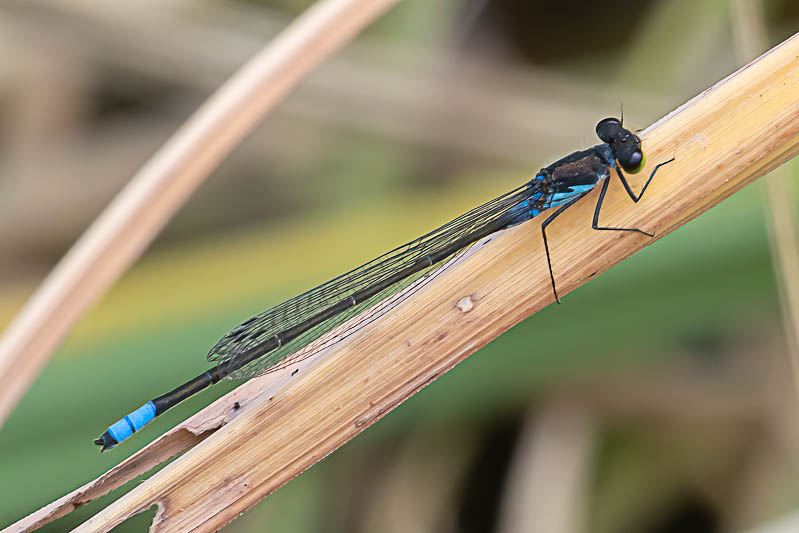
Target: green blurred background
x: 658, y: 398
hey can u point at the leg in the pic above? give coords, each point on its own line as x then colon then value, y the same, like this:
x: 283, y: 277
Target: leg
x: 595, y: 223
x: 627, y: 185
x: 544, y: 225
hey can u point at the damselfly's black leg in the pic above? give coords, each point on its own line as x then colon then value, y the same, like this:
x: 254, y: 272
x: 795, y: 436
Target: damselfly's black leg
x: 627, y: 185
x: 595, y: 223
x: 544, y: 225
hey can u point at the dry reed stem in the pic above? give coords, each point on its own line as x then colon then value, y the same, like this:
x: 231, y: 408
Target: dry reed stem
x: 723, y: 139
x: 779, y: 194
x: 137, y: 214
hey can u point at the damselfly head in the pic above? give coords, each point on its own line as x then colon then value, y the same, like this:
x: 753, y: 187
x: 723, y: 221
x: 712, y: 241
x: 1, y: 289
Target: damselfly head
x: 625, y: 144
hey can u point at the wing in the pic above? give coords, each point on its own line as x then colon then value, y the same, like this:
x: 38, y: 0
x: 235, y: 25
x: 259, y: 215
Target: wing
x: 264, y: 326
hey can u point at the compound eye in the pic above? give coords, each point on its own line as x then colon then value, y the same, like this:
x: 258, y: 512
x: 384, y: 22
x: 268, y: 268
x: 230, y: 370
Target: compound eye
x: 608, y: 128
x: 635, y: 163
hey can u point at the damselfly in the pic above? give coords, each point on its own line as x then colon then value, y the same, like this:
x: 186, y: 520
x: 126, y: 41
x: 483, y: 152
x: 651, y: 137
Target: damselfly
x: 314, y: 320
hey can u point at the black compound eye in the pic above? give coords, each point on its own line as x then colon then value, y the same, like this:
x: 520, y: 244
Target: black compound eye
x: 608, y: 129
x: 635, y: 162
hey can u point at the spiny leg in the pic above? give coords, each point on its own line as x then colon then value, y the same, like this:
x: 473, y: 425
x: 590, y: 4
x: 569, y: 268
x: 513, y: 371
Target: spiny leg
x: 595, y: 223
x: 544, y: 225
x: 627, y: 185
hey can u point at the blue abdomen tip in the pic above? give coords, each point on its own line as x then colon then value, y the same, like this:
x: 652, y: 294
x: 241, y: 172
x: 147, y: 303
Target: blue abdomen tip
x: 132, y: 422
